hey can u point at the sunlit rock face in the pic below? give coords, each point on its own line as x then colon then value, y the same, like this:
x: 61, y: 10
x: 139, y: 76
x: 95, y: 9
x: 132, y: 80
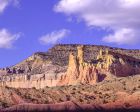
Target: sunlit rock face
x: 118, y: 64
x: 81, y: 72
x: 71, y: 65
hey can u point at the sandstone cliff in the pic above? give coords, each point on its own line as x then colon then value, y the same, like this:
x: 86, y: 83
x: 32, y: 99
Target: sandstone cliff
x: 59, y: 55
x: 81, y: 72
x: 118, y: 64
x: 71, y: 65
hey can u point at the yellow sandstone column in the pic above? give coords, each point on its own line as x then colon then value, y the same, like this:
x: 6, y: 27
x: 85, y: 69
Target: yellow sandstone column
x: 80, y: 55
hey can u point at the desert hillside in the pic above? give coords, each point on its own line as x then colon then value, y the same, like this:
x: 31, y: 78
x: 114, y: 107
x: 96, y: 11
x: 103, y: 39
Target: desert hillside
x: 59, y: 55
x: 117, y: 91
x: 75, y: 75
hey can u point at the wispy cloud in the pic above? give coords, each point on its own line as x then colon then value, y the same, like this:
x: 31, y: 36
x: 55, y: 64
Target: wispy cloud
x: 121, y: 16
x: 54, y: 37
x: 7, y: 39
x: 5, y: 3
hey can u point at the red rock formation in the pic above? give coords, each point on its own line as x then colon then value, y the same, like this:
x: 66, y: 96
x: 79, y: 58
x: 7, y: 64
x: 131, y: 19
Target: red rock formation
x: 118, y: 64
x: 79, y: 71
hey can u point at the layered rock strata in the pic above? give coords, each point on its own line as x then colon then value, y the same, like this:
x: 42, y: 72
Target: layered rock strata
x: 83, y: 67
x: 118, y: 64
x: 81, y: 72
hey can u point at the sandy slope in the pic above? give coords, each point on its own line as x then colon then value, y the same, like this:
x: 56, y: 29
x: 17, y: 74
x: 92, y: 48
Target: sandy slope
x: 114, y: 93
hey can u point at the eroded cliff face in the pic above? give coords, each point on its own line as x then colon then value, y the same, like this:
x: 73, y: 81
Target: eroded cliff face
x: 59, y: 56
x: 35, y: 71
x: 81, y: 72
x: 86, y: 65
x: 118, y: 64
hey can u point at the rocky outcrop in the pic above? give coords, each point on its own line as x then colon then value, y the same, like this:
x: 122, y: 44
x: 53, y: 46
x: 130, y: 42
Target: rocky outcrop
x: 118, y: 64
x: 59, y: 56
x: 81, y: 72
x: 71, y: 65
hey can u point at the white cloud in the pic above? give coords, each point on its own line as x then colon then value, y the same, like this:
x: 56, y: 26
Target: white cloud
x: 7, y: 39
x: 123, y: 36
x: 54, y: 37
x: 5, y: 3
x: 113, y: 14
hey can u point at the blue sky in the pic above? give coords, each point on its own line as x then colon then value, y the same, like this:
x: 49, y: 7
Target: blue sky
x: 28, y: 26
